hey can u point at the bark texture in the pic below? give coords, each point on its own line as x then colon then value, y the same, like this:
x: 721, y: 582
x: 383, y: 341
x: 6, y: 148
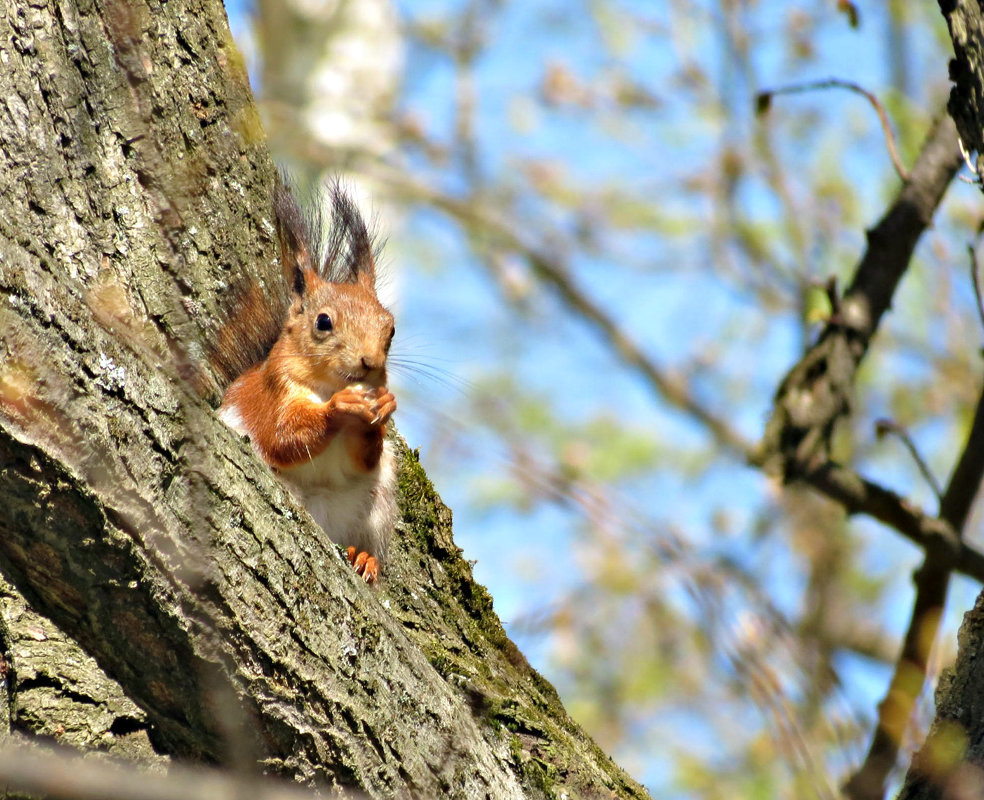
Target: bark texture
x: 54, y: 690
x: 135, y: 209
x: 950, y: 763
x: 965, y: 19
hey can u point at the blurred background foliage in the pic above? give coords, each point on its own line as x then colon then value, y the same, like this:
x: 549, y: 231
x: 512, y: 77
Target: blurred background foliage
x: 598, y: 249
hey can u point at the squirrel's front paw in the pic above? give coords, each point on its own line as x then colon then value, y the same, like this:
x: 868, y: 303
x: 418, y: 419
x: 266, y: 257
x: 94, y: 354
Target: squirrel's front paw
x: 365, y: 565
x: 370, y: 406
x: 356, y: 403
x: 384, y: 404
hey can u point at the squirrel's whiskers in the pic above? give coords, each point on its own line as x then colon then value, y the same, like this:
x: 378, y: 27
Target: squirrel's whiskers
x: 422, y: 372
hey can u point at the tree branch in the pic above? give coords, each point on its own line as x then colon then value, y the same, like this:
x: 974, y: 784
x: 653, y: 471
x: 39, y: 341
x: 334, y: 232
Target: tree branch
x: 816, y: 392
x: 931, y: 582
x: 965, y: 21
x: 859, y: 495
x: 60, y: 774
x: 966, y: 479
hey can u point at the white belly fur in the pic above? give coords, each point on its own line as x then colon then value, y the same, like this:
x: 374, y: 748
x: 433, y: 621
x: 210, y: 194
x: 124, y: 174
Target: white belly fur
x: 353, y: 508
x: 356, y: 508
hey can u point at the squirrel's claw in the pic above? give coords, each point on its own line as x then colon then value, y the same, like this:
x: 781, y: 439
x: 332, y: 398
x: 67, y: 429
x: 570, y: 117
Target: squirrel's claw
x: 385, y: 405
x: 371, y: 570
x: 365, y: 565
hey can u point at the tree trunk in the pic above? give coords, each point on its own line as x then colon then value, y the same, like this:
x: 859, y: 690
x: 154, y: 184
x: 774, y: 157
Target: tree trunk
x: 950, y: 764
x: 133, y: 211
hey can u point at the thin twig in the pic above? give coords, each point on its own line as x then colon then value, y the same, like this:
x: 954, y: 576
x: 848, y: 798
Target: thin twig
x: 60, y: 774
x: 977, y: 281
x: 886, y: 426
x: 967, y: 161
x: 837, y: 83
x: 976, y: 180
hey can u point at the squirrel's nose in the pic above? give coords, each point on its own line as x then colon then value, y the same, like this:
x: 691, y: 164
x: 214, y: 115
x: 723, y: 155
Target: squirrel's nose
x: 372, y: 363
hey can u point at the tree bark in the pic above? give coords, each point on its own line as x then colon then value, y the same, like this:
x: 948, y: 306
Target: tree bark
x: 54, y: 690
x: 135, y: 208
x: 950, y: 763
x: 964, y: 19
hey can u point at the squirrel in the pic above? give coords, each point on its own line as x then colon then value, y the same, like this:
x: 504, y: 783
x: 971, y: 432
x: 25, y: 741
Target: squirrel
x: 316, y: 407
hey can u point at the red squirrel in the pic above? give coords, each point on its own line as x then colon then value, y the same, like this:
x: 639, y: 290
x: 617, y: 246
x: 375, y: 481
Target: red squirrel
x: 315, y: 409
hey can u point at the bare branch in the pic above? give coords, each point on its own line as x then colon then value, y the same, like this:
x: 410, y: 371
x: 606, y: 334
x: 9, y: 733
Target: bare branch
x: 886, y: 426
x: 816, y: 392
x: 860, y: 495
x: 966, y: 479
x: 908, y: 679
x: 764, y: 98
x: 60, y: 774
x: 976, y: 278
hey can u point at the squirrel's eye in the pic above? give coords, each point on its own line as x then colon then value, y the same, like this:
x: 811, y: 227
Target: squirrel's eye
x: 323, y: 323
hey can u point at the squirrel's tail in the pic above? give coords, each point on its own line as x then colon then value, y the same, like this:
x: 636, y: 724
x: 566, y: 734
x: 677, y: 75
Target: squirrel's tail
x: 255, y: 309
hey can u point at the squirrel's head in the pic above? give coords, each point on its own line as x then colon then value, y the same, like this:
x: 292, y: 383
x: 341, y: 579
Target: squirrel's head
x: 337, y: 332
x: 341, y: 332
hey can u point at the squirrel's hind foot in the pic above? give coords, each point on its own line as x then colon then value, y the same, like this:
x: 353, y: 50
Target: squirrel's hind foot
x: 365, y: 565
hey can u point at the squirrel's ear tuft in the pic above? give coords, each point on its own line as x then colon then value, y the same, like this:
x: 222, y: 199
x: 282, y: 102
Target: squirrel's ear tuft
x: 350, y: 254
x: 294, y: 236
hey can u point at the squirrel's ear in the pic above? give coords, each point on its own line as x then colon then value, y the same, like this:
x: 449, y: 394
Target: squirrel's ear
x: 366, y: 275
x: 304, y: 282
